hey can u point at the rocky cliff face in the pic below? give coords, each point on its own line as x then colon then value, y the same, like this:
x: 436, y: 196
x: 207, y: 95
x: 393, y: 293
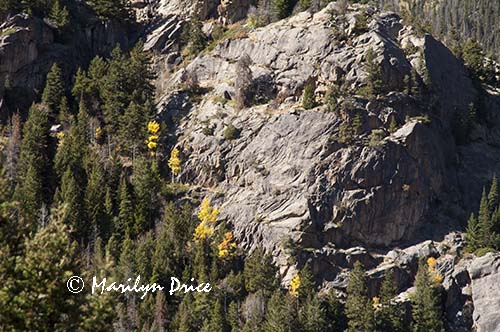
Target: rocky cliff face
x: 289, y: 183
x: 29, y: 46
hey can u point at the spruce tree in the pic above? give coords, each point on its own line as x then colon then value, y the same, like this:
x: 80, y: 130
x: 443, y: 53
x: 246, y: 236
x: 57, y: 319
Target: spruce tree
x: 472, y: 234
x: 260, y: 273
x: 312, y: 316
x: 54, y: 90
x: 484, y: 222
x: 426, y: 303
x: 374, y: 83
x: 146, y: 183
x: 71, y: 199
x: 33, y: 187
x: 279, y: 317
x: 50, y: 259
x: 217, y: 319
x: 126, y: 213
x: 493, y: 198
x: 58, y: 15
x: 95, y: 199
x: 359, y: 309
x: 390, y: 316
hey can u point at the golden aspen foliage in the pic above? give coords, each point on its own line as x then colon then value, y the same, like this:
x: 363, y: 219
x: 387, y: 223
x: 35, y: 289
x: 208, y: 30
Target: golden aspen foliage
x: 174, y: 163
x: 294, y: 286
x: 152, y: 141
x: 98, y: 133
x: 432, y: 266
x: 227, y: 247
x: 208, y: 216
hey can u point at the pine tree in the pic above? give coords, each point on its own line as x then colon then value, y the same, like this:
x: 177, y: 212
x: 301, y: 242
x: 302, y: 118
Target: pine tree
x: 281, y: 8
x: 374, y: 83
x: 196, y: 37
x: 33, y: 187
x: 71, y: 199
x: 50, y: 259
x: 308, y: 100
x: 335, y: 313
x: 132, y: 130
x: 279, y: 316
x: 493, y: 198
x: 307, y: 283
x: 426, y: 303
x: 260, y: 273
x: 312, y: 316
x: 472, y: 234
x: 95, y: 198
x: 58, y: 15
x: 359, y: 308
x: 217, y: 320
x: 126, y: 213
x: 120, y: 10
x: 484, y: 222
x: 54, y: 90
x: 146, y: 183
x: 390, y: 316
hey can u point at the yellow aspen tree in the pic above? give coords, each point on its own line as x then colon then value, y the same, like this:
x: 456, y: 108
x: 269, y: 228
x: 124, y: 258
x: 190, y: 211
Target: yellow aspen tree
x: 294, y: 286
x: 174, y: 163
x: 208, y: 216
x: 227, y: 247
x: 152, y: 141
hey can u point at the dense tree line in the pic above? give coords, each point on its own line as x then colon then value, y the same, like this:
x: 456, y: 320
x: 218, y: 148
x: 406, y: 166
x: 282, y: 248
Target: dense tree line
x: 454, y: 20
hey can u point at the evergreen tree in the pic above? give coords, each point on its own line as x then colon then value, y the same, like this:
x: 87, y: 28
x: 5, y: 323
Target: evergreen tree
x: 281, y: 8
x: 335, y: 313
x: 50, y: 259
x: 146, y: 181
x: 196, y: 37
x: 307, y: 283
x: 472, y: 234
x: 132, y: 129
x: 95, y: 199
x: 58, y: 15
x: 426, y: 303
x: 390, y: 316
x: 126, y: 212
x: 54, y: 90
x: 71, y: 199
x: 217, y: 320
x: 312, y: 316
x: 33, y: 188
x: 359, y: 307
x: 260, y: 273
x: 374, y: 83
x: 484, y: 222
x: 493, y: 198
x: 120, y: 10
x: 279, y: 316
x: 308, y: 100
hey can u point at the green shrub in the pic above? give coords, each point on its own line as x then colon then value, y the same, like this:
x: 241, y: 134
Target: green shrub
x: 231, y: 132
x: 483, y: 251
x: 376, y: 136
x: 308, y: 100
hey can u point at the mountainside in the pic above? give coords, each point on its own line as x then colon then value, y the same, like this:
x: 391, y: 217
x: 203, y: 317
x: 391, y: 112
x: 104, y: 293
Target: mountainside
x: 318, y: 167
